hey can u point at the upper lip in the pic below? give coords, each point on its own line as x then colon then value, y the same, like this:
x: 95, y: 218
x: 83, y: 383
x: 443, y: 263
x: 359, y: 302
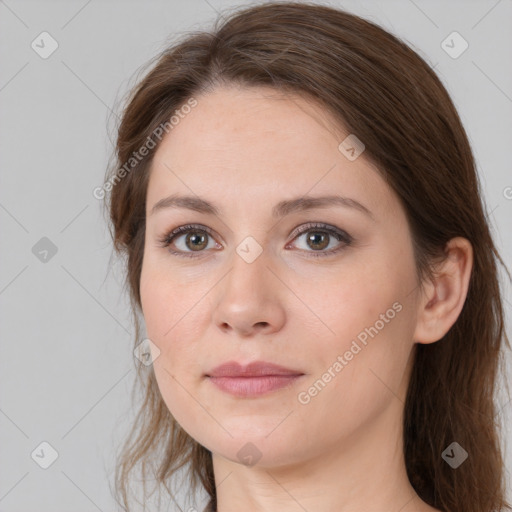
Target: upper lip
x: 254, y: 369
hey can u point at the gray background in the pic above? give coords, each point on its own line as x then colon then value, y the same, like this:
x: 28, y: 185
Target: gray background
x: 66, y: 361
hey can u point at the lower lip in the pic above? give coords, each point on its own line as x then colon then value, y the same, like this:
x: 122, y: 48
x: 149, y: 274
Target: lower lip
x: 253, y: 386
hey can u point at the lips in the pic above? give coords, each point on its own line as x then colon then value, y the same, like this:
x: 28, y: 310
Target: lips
x: 255, y: 369
x: 254, y: 380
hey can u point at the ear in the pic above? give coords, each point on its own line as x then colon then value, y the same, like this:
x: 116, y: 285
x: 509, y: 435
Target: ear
x: 443, y: 297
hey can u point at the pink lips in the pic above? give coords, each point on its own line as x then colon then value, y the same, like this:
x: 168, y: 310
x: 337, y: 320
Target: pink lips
x: 252, y: 380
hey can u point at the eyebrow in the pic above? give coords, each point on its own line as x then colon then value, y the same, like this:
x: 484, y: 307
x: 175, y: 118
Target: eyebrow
x: 281, y: 209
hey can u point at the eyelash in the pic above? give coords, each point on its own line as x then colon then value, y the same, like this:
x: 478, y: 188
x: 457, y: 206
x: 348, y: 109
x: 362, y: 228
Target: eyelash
x: 340, y: 235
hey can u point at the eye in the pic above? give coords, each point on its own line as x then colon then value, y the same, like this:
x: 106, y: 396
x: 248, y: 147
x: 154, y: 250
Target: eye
x: 196, y: 239
x: 319, y: 237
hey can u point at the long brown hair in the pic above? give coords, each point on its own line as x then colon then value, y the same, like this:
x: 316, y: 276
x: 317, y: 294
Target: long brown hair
x: 381, y: 90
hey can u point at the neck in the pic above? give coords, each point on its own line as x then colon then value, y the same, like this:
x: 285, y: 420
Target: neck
x: 363, y: 472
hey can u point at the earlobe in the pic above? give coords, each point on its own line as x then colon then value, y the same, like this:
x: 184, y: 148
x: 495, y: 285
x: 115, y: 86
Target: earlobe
x: 444, y: 296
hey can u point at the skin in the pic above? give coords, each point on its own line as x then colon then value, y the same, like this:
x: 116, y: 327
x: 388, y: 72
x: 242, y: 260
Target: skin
x: 246, y: 149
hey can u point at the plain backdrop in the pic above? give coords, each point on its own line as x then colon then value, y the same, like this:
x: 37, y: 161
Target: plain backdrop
x: 66, y: 336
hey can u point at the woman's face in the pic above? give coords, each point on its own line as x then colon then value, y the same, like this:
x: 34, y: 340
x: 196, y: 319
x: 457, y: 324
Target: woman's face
x: 246, y: 286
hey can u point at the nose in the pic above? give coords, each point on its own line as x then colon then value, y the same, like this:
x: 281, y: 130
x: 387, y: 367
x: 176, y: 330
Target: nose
x: 249, y: 299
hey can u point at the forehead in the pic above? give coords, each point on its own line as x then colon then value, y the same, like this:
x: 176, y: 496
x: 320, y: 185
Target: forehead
x: 257, y: 144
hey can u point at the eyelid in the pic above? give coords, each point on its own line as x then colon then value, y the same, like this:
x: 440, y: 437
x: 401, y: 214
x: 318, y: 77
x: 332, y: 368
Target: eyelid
x: 310, y: 226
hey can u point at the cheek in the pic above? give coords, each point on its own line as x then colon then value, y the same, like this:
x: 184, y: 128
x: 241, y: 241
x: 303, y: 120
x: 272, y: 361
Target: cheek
x: 155, y: 307
x: 173, y: 322
x: 170, y: 321
x: 372, y: 332
x: 164, y: 298
x: 175, y: 317
x: 371, y: 319
x: 360, y: 373
x: 351, y: 299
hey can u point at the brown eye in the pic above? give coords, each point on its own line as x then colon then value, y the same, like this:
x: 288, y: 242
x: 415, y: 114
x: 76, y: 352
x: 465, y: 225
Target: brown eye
x: 318, y: 240
x: 196, y: 240
x: 188, y: 239
x: 319, y: 236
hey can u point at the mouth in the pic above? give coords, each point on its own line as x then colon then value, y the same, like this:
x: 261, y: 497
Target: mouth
x: 247, y: 387
x: 253, y: 380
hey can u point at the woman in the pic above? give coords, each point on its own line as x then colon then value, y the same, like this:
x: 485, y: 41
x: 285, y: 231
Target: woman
x: 308, y: 246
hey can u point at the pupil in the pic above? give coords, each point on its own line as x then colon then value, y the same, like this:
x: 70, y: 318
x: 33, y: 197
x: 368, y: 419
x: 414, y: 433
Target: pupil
x: 313, y: 238
x: 199, y: 238
x: 318, y: 239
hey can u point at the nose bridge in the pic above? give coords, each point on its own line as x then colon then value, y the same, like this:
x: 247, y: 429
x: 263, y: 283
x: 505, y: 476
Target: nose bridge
x: 248, y: 300
x: 249, y: 267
